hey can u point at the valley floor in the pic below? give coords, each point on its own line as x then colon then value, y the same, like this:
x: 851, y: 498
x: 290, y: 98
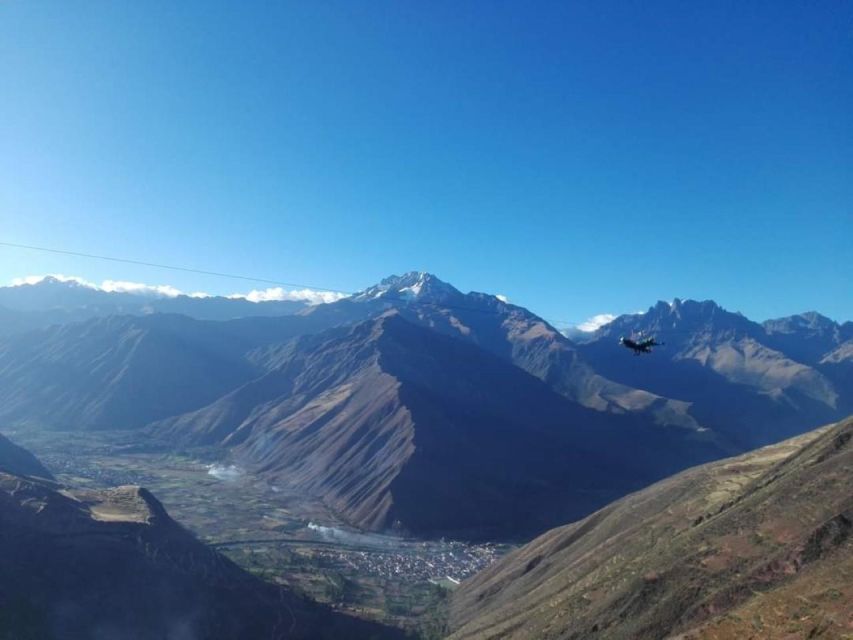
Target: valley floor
x: 265, y: 529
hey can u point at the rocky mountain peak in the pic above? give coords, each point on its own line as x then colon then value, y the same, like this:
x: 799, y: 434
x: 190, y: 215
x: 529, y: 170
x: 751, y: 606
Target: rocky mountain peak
x: 414, y: 285
x: 688, y: 315
x: 808, y: 322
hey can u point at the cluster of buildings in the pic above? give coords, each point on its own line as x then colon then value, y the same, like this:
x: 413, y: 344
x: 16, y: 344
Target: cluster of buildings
x: 422, y: 562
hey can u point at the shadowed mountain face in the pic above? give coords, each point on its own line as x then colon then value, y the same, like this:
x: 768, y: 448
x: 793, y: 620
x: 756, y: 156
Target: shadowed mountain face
x: 754, y: 546
x: 125, y: 371
x: 397, y: 425
x: 116, y: 372
x: 113, y: 564
x: 18, y: 461
x: 738, y: 375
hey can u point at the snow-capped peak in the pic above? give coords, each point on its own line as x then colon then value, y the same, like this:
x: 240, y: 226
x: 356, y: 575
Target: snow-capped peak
x: 414, y: 285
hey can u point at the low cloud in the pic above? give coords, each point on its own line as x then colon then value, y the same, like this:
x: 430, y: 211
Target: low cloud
x: 596, y: 322
x: 502, y: 298
x: 156, y: 290
x: 309, y: 296
x: 225, y: 472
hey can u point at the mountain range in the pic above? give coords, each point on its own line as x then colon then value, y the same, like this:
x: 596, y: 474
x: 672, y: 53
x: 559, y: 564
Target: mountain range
x: 412, y: 405
x: 52, y: 300
x: 112, y: 564
x: 751, y: 383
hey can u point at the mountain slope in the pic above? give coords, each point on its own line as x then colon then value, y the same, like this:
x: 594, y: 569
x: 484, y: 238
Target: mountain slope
x: 738, y: 384
x: 113, y: 564
x: 397, y: 425
x: 749, y: 534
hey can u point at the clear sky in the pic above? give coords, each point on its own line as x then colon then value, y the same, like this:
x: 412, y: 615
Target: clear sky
x: 578, y: 157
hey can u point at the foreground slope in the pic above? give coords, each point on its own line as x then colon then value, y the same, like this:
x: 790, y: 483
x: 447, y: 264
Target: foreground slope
x: 757, y: 546
x: 113, y: 564
x: 395, y: 425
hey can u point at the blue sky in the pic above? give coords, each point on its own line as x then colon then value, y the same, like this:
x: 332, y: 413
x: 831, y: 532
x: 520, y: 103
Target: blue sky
x: 579, y: 157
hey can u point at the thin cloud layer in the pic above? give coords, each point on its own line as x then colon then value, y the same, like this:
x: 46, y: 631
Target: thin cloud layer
x: 157, y: 290
x: 310, y: 296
